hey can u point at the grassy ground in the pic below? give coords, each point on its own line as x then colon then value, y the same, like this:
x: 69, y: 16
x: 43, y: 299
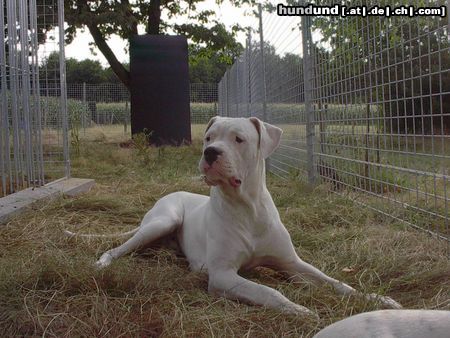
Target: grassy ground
x: 48, y: 286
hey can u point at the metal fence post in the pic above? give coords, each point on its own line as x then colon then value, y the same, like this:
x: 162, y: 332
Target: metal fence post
x: 448, y: 19
x: 36, y: 90
x: 227, y: 87
x: 248, y: 89
x: 307, y: 78
x: 224, y: 95
x: 237, y: 90
x: 263, y: 74
x: 85, y: 108
x: 63, y: 101
x: 4, y: 135
x: 263, y: 65
x: 25, y: 93
x: 125, y: 120
x: 14, y: 82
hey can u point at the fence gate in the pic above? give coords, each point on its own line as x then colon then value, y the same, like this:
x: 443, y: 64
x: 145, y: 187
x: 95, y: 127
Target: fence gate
x: 33, y: 117
x: 364, y: 102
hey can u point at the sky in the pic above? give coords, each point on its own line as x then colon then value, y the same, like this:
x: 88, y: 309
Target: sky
x: 226, y: 13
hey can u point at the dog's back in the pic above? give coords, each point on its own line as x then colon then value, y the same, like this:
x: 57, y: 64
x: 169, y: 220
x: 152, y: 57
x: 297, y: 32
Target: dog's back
x: 391, y: 323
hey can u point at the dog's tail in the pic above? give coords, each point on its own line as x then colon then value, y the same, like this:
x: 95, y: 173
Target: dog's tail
x: 116, y: 235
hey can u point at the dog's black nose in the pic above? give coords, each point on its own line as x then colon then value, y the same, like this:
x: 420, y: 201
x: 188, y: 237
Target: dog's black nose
x: 211, y: 154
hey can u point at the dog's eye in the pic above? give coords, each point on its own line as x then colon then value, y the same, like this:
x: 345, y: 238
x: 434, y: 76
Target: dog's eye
x: 239, y: 140
x: 207, y: 139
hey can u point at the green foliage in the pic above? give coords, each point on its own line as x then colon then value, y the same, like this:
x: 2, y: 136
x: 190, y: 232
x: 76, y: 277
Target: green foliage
x: 208, y: 67
x: 122, y: 18
x: 205, y: 66
x: 51, y: 114
x: 76, y: 111
x: 117, y: 111
x: 214, y: 43
x: 75, y: 138
x: 49, y: 68
x: 87, y: 71
x: 84, y: 71
x: 144, y: 153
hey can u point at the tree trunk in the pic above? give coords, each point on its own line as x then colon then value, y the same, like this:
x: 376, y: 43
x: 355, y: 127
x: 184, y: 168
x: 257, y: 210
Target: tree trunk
x: 154, y: 17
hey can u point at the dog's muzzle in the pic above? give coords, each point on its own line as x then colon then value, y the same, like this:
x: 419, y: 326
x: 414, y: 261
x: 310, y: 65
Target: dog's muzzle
x: 211, y: 154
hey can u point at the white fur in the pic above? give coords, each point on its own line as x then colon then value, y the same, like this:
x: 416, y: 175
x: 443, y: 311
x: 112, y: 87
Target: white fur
x: 391, y: 324
x: 236, y: 227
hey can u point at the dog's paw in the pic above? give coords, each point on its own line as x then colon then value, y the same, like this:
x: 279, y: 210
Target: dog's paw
x: 104, y: 261
x: 299, y: 310
x: 386, y: 301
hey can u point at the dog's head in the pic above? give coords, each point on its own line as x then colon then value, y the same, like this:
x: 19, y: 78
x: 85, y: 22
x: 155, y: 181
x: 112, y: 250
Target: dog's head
x: 234, y: 147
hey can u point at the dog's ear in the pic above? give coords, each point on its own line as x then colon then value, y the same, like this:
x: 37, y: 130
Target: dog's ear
x: 210, y: 123
x: 269, y: 136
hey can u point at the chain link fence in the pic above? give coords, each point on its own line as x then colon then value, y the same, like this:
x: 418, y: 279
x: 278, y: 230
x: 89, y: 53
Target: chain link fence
x: 33, y: 133
x: 364, y: 103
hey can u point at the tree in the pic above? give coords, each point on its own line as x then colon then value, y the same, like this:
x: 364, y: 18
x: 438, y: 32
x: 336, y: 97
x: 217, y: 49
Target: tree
x: 87, y: 71
x: 206, y: 66
x: 104, y: 18
x: 49, y: 75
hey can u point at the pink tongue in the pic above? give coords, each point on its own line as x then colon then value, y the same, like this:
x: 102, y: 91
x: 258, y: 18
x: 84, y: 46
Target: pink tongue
x: 235, y: 182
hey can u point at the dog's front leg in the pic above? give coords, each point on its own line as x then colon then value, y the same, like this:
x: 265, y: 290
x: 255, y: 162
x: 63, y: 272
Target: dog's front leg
x: 230, y: 285
x: 297, y: 269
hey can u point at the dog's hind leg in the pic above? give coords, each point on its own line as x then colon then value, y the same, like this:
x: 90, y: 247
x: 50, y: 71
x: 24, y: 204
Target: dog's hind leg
x: 155, y: 229
x: 160, y: 221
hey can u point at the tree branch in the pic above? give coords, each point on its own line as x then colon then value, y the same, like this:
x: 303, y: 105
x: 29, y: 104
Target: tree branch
x: 116, y: 66
x: 130, y: 14
x: 100, y: 41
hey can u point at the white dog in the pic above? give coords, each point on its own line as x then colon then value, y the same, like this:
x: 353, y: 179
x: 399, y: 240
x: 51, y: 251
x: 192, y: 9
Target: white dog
x: 238, y: 226
x: 391, y: 324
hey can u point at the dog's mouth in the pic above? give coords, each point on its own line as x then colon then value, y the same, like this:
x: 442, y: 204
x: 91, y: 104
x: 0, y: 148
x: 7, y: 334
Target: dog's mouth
x: 235, y: 182
x: 215, y: 176
x: 232, y: 181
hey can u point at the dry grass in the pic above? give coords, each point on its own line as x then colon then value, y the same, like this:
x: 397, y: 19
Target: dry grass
x: 48, y: 286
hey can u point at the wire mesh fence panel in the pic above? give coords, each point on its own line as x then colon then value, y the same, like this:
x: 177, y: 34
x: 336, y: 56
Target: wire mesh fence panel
x: 283, y: 55
x: 98, y: 104
x: 109, y: 104
x: 382, y: 104
x: 364, y: 103
x: 274, y: 91
x: 33, y: 133
x: 52, y: 88
x: 203, y: 102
